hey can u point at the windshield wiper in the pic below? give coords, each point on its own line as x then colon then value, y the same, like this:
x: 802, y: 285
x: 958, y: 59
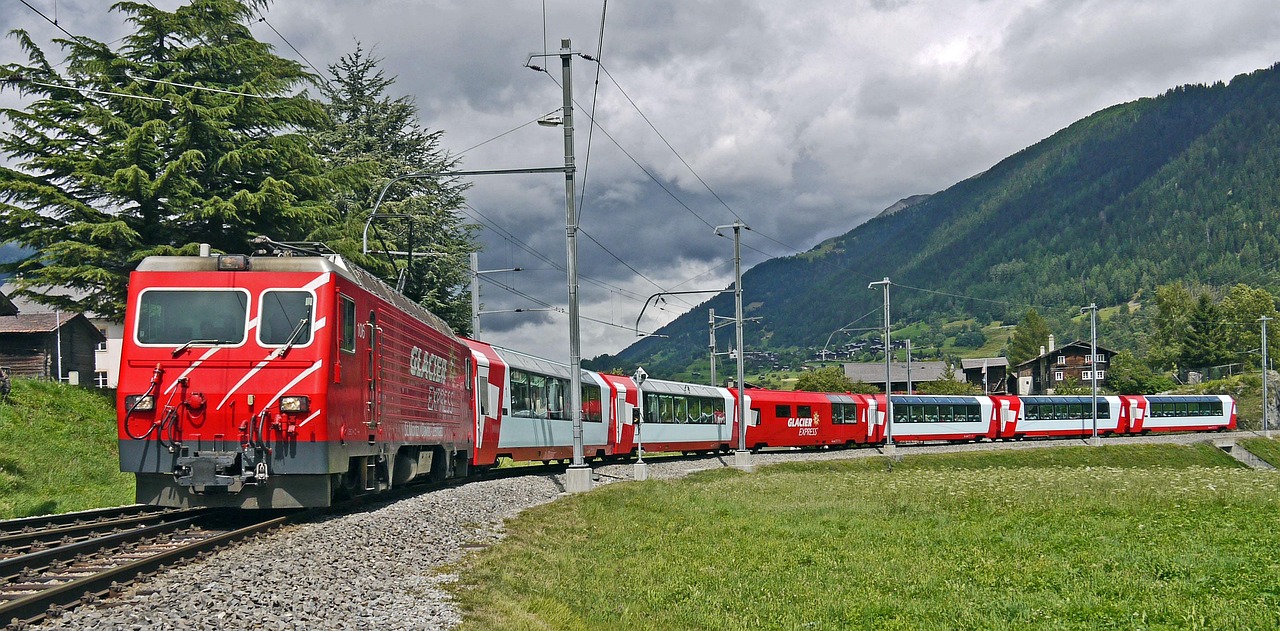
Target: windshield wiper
x: 293, y: 337
x: 184, y: 347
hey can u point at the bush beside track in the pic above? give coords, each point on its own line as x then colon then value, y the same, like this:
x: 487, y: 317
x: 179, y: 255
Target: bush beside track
x: 1122, y: 536
x: 58, y: 451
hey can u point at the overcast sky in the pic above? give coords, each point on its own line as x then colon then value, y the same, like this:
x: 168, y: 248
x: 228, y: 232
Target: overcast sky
x: 801, y: 118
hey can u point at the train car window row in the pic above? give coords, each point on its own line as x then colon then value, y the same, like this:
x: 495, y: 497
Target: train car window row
x: 543, y: 396
x: 1187, y: 408
x: 675, y: 408
x: 1065, y: 411
x: 936, y: 413
x: 178, y: 316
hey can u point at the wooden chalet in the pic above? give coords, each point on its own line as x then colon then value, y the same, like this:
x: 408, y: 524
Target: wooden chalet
x: 49, y: 345
x: 1043, y: 374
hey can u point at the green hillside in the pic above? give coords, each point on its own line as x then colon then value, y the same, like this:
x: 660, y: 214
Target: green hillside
x: 58, y: 451
x: 1181, y: 187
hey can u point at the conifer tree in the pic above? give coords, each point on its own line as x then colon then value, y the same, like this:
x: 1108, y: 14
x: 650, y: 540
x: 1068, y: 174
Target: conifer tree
x: 188, y: 132
x: 1028, y: 337
x: 372, y: 139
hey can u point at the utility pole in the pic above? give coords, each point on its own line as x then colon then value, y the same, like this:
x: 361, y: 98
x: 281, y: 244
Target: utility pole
x: 712, y: 322
x: 742, y: 457
x: 889, y: 449
x: 1266, y: 401
x: 1093, y: 363
x: 909, y: 366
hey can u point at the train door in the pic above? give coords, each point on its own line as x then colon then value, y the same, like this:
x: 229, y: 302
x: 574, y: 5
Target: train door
x: 373, y: 393
x: 482, y: 403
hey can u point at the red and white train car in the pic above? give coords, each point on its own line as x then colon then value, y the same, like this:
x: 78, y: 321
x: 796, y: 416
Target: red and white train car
x: 1178, y: 413
x: 805, y: 419
x: 272, y: 382
x: 686, y: 417
x: 524, y: 407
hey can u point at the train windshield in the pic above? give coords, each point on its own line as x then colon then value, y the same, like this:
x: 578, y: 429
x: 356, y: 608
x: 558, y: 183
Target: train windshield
x: 180, y: 316
x: 286, y: 317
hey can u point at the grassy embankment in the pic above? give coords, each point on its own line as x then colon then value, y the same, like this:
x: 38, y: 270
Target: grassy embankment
x: 1268, y: 449
x: 58, y: 451
x: 1109, y: 537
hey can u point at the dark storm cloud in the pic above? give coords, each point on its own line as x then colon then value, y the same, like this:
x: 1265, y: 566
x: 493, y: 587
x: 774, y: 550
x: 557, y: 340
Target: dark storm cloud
x: 804, y: 118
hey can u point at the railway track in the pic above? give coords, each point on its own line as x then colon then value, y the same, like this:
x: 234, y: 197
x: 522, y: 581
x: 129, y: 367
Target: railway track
x: 49, y: 564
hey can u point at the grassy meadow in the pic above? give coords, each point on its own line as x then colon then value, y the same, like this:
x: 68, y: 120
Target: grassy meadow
x: 1133, y: 537
x: 58, y: 451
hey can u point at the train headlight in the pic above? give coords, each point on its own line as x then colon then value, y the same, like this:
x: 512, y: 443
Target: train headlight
x: 232, y: 262
x: 295, y: 405
x: 140, y: 402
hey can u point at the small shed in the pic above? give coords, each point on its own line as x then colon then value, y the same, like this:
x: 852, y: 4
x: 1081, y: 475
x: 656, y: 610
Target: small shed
x: 989, y: 373
x: 899, y: 373
x: 49, y: 345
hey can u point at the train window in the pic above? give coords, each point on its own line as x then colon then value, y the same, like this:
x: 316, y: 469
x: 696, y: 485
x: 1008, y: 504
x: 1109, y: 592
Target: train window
x: 917, y: 413
x: 975, y: 414
x: 931, y: 414
x: 782, y: 411
x: 804, y: 411
x: 347, y: 319
x: 177, y: 316
x: 592, y: 407
x: 285, y: 317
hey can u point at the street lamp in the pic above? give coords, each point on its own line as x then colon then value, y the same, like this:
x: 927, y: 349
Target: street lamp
x: 742, y: 457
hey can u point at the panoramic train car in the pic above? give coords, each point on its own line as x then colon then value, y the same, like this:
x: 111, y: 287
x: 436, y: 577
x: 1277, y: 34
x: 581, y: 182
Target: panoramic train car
x: 951, y: 418
x: 804, y: 419
x: 525, y: 413
x: 274, y: 382
x: 686, y: 417
x: 1179, y: 413
x: 1061, y: 416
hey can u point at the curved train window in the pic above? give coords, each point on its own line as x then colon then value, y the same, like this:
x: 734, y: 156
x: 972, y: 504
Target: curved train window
x: 178, y: 316
x: 285, y: 317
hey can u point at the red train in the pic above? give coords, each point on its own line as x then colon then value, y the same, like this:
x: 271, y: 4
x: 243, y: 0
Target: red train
x: 274, y: 382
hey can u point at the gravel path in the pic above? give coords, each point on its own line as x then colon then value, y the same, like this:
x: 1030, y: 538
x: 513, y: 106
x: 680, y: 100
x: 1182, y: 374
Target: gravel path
x: 379, y: 569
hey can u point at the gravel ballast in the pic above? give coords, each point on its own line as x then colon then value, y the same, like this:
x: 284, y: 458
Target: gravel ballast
x: 381, y: 568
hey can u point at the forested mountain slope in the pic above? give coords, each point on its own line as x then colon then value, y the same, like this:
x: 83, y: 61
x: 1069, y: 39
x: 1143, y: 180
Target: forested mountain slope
x: 1181, y: 187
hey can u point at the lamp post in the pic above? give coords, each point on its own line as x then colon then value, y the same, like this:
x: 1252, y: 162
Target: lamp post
x: 889, y: 448
x: 742, y: 457
x: 1093, y: 363
x: 640, y: 470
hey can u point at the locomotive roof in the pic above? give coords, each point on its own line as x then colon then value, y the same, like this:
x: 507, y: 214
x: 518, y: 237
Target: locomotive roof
x: 318, y: 264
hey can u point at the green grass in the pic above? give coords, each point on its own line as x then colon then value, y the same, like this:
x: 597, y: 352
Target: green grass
x: 1081, y: 538
x: 58, y: 451
x: 1268, y: 449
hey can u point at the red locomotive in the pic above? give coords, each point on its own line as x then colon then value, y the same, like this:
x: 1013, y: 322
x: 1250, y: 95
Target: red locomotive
x: 274, y: 382
x: 271, y: 382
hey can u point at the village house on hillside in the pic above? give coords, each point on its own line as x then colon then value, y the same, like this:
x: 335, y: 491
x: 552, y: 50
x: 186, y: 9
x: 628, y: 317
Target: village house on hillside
x: 104, y: 356
x: 873, y: 373
x: 49, y: 345
x: 1045, y: 372
x: 991, y: 374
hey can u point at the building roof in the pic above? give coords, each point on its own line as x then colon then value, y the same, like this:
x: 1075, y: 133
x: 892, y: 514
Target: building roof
x: 989, y: 362
x: 1078, y: 344
x: 873, y: 372
x: 42, y: 323
x: 27, y: 305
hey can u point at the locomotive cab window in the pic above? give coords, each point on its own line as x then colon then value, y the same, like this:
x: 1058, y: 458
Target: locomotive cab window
x: 285, y: 317
x: 347, y: 320
x: 179, y: 316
